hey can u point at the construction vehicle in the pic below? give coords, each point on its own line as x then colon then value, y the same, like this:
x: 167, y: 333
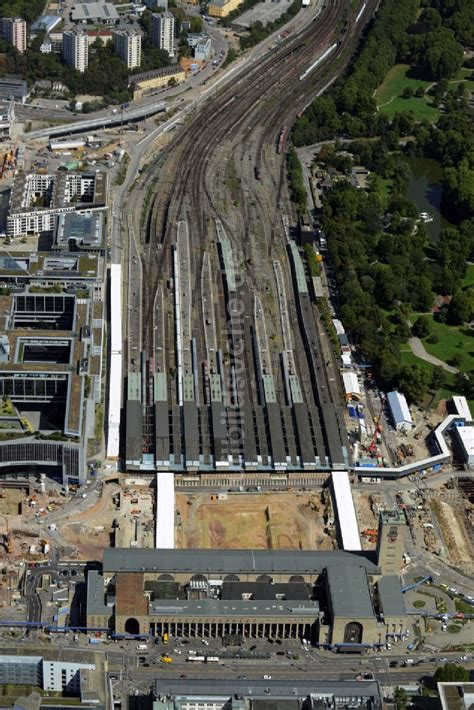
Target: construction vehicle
x: 8, y: 539
x: 378, y: 429
x: 370, y: 532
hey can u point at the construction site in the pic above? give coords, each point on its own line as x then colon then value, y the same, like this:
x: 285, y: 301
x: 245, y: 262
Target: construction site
x: 288, y: 520
x: 78, y: 524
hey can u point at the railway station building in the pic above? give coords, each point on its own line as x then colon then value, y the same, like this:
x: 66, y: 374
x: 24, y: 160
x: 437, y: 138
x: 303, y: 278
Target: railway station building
x: 333, y: 597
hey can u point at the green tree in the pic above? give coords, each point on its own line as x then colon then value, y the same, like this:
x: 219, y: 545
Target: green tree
x: 460, y: 309
x: 400, y: 698
x: 451, y: 673
x: 456, y: 360
x: 413, y: 382
x: 421, y: 327
x: 438, y: 378
x: 443, y: 56
x: 196, y: 24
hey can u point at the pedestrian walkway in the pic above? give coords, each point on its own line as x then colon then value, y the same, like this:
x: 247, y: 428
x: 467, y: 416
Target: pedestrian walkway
x: 420, y: 351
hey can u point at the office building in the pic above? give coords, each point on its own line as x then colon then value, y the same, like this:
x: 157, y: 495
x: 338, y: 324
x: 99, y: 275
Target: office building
x: 128, y: 47
x: 14, y: 31
x: 76, y: 50
x: 202, y: 50
x: 162, y: 31
x: 37, y: 671
x: 265, y: 694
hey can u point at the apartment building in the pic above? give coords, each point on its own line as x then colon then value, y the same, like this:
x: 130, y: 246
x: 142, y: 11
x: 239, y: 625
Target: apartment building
x: 76, y: 49
x: 14, y: 31
x: 162, y: 31
x: 128, y: 47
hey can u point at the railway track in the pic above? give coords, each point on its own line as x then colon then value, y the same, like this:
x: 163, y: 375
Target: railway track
x: 189, y: 160
x: 211, y: 169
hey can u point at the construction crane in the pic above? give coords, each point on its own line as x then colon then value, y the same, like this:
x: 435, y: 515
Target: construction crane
x: 373, y: 444
x: 415, y: 585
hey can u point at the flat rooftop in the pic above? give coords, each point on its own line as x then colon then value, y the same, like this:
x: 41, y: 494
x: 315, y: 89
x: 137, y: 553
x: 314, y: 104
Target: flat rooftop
x: 349, y: 592
x: 65, y: 265
x: 259, y: 688
x: 88, y: 11
x: 37, y: 192
x: 265, y: 591
x: 83, y: 229
x: 391, y: 597
x: 203, y: 560
x: 228, y: 608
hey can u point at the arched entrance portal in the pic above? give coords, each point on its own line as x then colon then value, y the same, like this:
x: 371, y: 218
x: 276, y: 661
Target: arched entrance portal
x: 353, y: 632
x: 132, y: 626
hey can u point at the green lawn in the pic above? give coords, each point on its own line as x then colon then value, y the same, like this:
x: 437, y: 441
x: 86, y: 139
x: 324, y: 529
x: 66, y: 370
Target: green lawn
x: 389, y: 95
x: 445, y: 392
x: 468, y: 280
x: 453, y: 340
x: 463, y: 75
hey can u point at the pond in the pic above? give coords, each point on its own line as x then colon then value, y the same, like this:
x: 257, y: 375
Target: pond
x: 425, y: 190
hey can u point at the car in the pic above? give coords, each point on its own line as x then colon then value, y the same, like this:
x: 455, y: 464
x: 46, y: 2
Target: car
x: 146, y: 665
x: 463, y: 658
x: 266, y: 677
x: 280, y: 653
x: 241, y: 677
x: 183, y: 675
x: 73, y: 573
x: 142, y: 659
x: 368, y: 676
x: 393, y: 664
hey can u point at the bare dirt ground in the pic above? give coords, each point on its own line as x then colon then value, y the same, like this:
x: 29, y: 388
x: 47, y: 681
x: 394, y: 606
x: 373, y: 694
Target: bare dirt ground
x: 367, y: 506
x: 283, y: 521
x: 83, y: 530
x: 459, y: 544
x: 11, y: 503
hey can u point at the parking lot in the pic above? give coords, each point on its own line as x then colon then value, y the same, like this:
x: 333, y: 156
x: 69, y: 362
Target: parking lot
x: 264, y: 12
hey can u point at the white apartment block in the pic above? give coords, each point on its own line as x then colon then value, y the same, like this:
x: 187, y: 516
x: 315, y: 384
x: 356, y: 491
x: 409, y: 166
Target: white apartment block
x: 128, y: 47
x: 14, y: 31
x: 162, y: 31
x: 76, y: 49
x: 36, y: 199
